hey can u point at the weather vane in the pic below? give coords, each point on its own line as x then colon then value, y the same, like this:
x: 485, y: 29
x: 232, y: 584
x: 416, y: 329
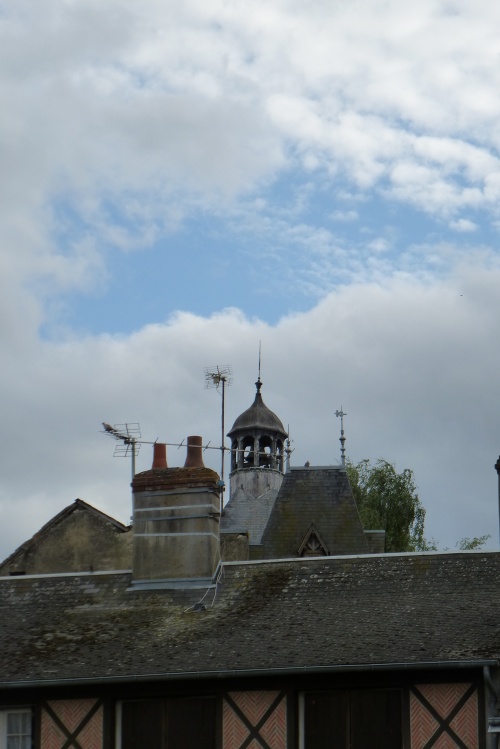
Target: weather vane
x: 341, y: 413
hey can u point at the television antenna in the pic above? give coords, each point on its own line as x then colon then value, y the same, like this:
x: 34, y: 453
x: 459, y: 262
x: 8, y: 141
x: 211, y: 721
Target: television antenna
x: 341, y: 413
x: 127, y: 438
x: 220, y: 377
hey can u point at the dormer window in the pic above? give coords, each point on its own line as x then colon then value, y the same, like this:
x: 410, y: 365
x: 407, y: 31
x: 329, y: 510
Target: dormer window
x: 313, y: 545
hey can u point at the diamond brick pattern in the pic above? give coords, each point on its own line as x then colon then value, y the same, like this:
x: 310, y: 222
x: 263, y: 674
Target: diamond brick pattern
x: 465, y: 723
x: 234, y: 731
x: 51, y: 736
x: 253, y: 706
x: 274, y: 729
x: 443, y: 698
x: 444, y: 742
x: 71, y: 713
x: 423, y: 725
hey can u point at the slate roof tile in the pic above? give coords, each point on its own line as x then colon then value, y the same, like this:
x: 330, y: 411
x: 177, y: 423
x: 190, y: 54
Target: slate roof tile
x: 287, y: 614
x: 321, y: 495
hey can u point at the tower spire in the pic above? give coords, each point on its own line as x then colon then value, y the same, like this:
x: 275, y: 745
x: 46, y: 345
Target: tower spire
x: 258, y: 384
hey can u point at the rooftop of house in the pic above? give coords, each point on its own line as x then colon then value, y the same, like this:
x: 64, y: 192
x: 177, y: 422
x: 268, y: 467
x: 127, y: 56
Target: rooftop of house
x: 318, y: 495
x: 349, y: 612
x: 79, y: 538
x: 278, y: 521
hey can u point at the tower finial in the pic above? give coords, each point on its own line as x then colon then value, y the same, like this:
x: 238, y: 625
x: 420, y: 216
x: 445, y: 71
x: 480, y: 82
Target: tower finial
x: 341, y: 413
x: 258, y: 384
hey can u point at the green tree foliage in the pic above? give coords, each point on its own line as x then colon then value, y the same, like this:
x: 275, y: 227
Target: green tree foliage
x: 388, y: 500
x: 471, y: 544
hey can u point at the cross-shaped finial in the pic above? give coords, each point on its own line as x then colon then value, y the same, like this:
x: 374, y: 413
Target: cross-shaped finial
x: 341, y: 413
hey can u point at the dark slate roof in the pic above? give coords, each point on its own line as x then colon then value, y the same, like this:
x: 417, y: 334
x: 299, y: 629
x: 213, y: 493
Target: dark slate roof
x: 319, y: 495
x: 344, y: 612
x: 258, y: 416
x: 245, y: 513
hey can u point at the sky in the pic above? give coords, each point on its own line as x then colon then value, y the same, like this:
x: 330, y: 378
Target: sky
x: 181, y: 182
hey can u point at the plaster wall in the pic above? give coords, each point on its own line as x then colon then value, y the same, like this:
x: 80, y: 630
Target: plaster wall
x: 176, y: 534
x: 81, y: 542
x: 255, y: 481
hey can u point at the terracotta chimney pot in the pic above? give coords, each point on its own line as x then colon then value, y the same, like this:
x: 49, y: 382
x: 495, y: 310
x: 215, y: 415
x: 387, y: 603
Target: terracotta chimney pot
x: 159, y: 455
x: 194, y: 458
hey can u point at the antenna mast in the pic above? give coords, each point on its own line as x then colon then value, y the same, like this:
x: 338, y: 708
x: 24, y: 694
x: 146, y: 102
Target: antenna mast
x: 497, y: 468
x: 220, y: 377
x: 342, y: 437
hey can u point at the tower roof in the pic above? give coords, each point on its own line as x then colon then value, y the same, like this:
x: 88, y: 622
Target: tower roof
x: 258, y: 416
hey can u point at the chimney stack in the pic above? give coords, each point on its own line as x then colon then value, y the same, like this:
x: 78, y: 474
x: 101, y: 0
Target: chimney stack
x: 176, y: 522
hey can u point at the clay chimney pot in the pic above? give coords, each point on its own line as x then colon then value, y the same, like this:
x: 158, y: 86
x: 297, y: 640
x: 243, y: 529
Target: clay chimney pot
x: 159, y: 455
x: 194, y: 458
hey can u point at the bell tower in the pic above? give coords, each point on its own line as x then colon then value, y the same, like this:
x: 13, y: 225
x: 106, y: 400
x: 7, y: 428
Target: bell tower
x: 257, y: 469
x: 257, y: 438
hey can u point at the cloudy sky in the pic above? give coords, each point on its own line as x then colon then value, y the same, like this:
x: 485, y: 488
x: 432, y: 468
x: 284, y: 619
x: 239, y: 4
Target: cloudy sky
x: 180, y: 181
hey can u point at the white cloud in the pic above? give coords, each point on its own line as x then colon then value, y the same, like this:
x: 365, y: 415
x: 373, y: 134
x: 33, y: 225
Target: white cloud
x: 121, y: 121
x: 413, y: 364
x: 379, y: 245
x: 207, y: 98
x: 345, y: 216
x: 463, y: 225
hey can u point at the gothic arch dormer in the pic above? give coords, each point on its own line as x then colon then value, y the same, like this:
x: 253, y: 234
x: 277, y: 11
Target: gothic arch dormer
x: 312, y: 544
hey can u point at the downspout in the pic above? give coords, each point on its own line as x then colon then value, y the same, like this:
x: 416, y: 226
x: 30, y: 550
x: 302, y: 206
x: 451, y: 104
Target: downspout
x: 497, y: 468
x: 491, y: 709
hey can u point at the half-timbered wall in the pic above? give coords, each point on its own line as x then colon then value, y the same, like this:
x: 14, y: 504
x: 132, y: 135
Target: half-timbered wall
x: 444, y: 716
x: 441, y: 716
x: 254, y: 720
x: 71, y: 724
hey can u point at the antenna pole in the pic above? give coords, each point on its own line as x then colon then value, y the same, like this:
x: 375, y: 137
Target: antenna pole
x: 133, y: 443
x: 222, y: 448
x: 342, y: 437
x: 220, y: 377
x: 497, y: 467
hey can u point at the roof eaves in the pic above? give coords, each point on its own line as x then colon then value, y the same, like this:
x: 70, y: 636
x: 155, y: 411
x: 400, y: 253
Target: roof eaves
x: 231, y: 673
x: 48, y: 575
